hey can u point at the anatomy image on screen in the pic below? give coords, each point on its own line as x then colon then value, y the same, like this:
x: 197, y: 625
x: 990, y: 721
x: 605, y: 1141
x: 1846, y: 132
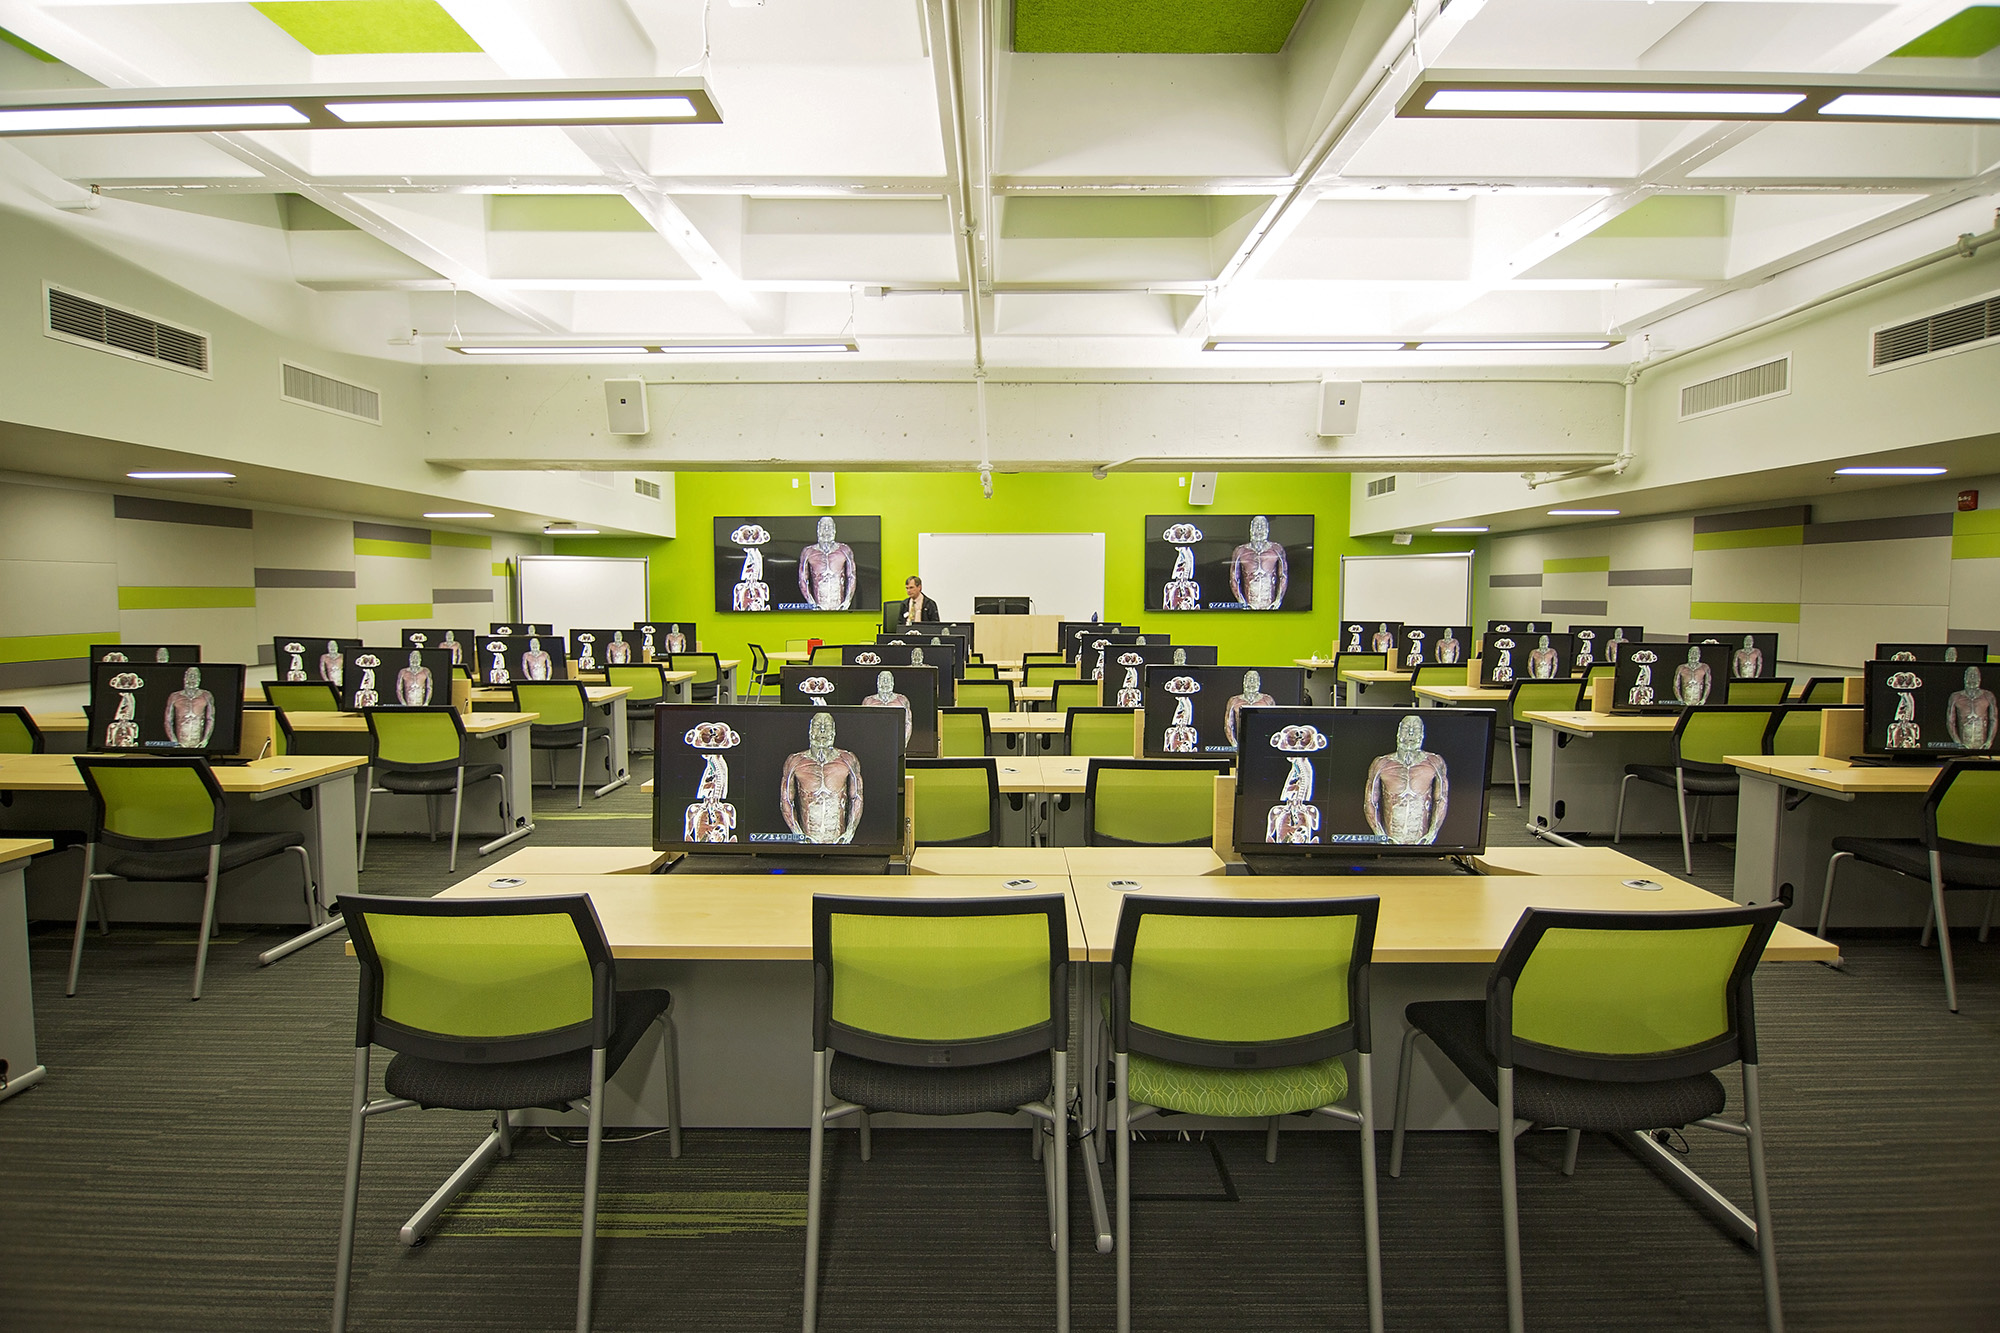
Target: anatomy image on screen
x: 1181, y: 593
x: 1257, y: 571
x: 452, y: 646
x: 673, y: 641
x: 190, y: 712
x: 1382, y: 641
x: 1903, y: 731
x: 1641, y: 693
x: 711, y: 818
x: 1586, y: 648
x: 1694, y: 680
x: 1503, y: 661
x: 819, y: 791
x: 1747, y: 662
x: 1970, y: 713
x: 1295, y: 819
x: 496, y: 673
x: 535, y: 663
x: 885, y: 696
x: 816, y: 688
x: 1449, y: 649
x: 1544, y: 662
x: 1414, y: 651
x: 1129, y: 693
x: 331, y: 663
x: 751, y: 593
x: 1408, y: 792
x: 1253, y: 696
x: 295, y: 662
x: 122, y: 732
x: 414, y: 684
x: 366, y: 694
x: 586, y: 652
x: 618, y: 652
x: 1181, y: 737
x: 828, y: 571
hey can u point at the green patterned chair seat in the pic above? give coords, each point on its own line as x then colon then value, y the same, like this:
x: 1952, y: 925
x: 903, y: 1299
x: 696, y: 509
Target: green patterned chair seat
x: 1245, y: 1093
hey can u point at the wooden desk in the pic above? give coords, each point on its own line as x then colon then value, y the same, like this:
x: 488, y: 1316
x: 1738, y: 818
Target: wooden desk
x: 576, y: 861
x: 1025, y: 723
x: 1139, y: 862
x: 1043, y: 864
x: 1034, y: 694
x: 1319, y: 679
x: 1573, y: 788
x: 17, y: 996
x: 1114, y: 862
x: 1390, y: 688
x: 1552, y: 860
x: 788, y: 656
x: 1476, y: 696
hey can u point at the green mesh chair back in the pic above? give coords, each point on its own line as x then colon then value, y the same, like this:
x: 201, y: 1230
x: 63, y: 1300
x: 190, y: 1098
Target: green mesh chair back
x: 1628, y: 996
x: 827, y: 654
x: 560, y: 703
x: 310, y: 697
x: 1766, y: 693
x: 1041, y: 675
x: 1704, y: 736
x: 795, y: 645
x: 1071, y: 693
x: 1100, y: 731
x: 415, y: 738
x: 958, y: 802
x: 1962, y: 811
x: 1794, y: 729
x: 646, y: 682
x: 981, y: 671
x: 1543, y: 696
x: 996, y: 696
x: 707, y: 667
x: 1825, y: 690
x: 1360, y: 662
x: 1151, y: 802
x: 1598, y: 671
x: 940, y: 982
x: 1242, y: 984
x: 153, y: 804
x: 1439, y: 674
x: 18, y: 732
x: 1031, y: 659
x: 963, y: 733
x: 481, y: 980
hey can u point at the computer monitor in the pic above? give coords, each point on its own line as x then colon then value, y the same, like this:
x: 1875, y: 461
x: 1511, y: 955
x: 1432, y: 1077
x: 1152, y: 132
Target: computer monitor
x: 1512, y: 657
x: 1664, y: 677
x: 145, y: 652
x: 1433, y: 645
x: 1091, y: 650
x: 1594, y: 645
x: 929, y: 636
x: 1002, y: 606
x: 310, y: 657
x: 778, y: 778
x: 1378, y: 781
x: 950, y: 667
x: 508, y: 628
x: 458, y: 642
x: 911, y: 690
x: 1198, y: 710
x: 1751, y: 656
x: 1066, y: 631
x: 596, y: 649
x: 1930, y: 709
x: 668, y: 636
x: 397, y: 678
x: 1520, y: 626
x: 962, y: 628
x: 506, y: 661
x: 1125, y: 668
x: 1371, y: 636
x: 1928, y: 652
x: 166, y: 707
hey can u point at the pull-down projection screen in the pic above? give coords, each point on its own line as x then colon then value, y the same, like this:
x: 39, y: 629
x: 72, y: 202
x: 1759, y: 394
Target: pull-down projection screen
x: 1415, y: 589
x: 587, y: 590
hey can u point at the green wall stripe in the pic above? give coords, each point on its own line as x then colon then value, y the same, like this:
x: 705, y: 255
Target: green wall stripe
x: 501, y: 569
x: 52, y: 647
x: 1966, y: 35
x: 1185, y: 27
x: 23, y: 44
x: 1976, y: 546
x: 471, y: 541
x: 1975, y: 520
x: 1578, y: 564
x: 393, y: 611
x: 1770, y: 613
x: 368, y: 27
x: 400, y: 550
x: 183, y: 599
x: 1743, y: 537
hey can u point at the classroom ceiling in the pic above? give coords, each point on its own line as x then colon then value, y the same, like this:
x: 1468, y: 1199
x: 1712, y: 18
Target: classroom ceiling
x: 1092, y: 183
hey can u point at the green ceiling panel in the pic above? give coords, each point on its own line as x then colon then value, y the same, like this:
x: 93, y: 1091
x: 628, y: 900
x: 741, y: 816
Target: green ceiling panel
x: 563, y: 212
x: 1671, y: 215
x: 1967, y: 35
x: 368, y: 27
x: 1165, y: 27
x: 1030, y: 217
x: 23, y: 44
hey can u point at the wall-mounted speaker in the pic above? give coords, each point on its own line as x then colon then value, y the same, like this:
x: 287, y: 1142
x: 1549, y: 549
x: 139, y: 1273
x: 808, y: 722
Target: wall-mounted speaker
x: 822, y: 489
x: 1339, y: 407
x: 1201, y: 488
x: 625, y: 406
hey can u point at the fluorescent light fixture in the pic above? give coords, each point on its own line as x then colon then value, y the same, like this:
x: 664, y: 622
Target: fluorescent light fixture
x: 567, y: 530
x: 777, y: 347
x: 515, y: 111
x: 116, y: 119
x: 1465, y: 527
x: 182, y: 476
x: 1888, y: 472
x: 1300, y: 345
x: 1609, y: 102
x: 1524, y: 345
x: 1582, y: 513
x: 580, y: 349
x: 468, y: 513
x: 1913, y: 106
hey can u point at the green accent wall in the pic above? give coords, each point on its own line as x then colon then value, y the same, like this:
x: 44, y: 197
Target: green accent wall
x: 1975, y: 534
x: 183, y: 599
x: 399, y: 550
x: 1741, y: 538
x: 1766, y: 613
x: 502, y: 569
x: 393, y: 611
x: 368, y: 27
x: 1671, y: 215
x: 52, y: 647
x: 471, y: 541
x: 683, y: 568
x: 1171, y: 27
x: 1578, y: 564
x: 1966, y: 35
x: 563, y: 212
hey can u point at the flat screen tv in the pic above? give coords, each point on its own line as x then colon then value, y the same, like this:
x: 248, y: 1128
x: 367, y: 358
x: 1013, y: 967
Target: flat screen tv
x: 1924, y: 652
x: 1594, y: 645
x: 659, y: 638
x: 508, y: 628
x: 1512, y: 657
x: 944, y: 657
x: 799, y: 562
x: 1066, y: 632
x: 397, y: 678
x: 1380, y: 781
x: 1229, y: 562
x: 1125, y: 668
x: 1198, y: 710
x: 596, y: 649
x: 145, y: 652
x: 1751, y: 656
x: 504, y: 660
x: 960, y: 628
x: 1931, y: 709
x: 912, y: 691
x: 458, y: 642
x: 1002, y: 606
x: 1433, y: 645
x: 1665, y: 677
x: 778, y: 778
x: 1520, y: 626
x: 1370, y: 636
x: 310, y: 657
x: 1091, y: 650
x: 166, y: 708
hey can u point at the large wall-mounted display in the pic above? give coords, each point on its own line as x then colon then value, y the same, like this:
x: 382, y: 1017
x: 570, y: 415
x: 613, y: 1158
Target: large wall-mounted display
x: 1229, y: 562
x: 800, y: 562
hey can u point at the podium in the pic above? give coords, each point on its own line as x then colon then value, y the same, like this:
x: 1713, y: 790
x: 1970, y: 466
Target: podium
x: 1008, y: 638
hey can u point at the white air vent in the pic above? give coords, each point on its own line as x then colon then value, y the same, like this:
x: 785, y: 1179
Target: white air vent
x: 1753, y: 384
x: 89, y: 322
x: 649, y: 489
x: 1382, y: 486
x: 309, y: 388
x: 1942, y: 333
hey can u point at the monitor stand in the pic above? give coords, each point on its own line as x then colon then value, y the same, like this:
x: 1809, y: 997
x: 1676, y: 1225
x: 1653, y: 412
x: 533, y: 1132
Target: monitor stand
x: 779, y: 863
x: 1335, y: 864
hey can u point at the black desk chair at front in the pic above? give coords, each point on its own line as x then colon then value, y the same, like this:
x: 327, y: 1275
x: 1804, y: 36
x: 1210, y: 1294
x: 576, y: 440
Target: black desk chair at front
x: 494, y: 1005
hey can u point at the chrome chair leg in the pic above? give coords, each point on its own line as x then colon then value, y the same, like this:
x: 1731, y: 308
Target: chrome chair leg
x: 1510, y: 1204
x: 1680, y: 795
x: 593, y: 1154
x: 82, y: 915
x: 1760, y: 1200
x: 350, y: 1194
x: 1618, y: 822
x: 1826, y: 893
x: 1943, y: 931
x: 815, y: 1169
x: 1402, y: 1102
x: 207, y: 917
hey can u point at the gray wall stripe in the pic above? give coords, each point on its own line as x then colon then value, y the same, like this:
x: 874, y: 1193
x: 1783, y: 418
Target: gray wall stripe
x: 28, y: 675
x: 305, y: 578
x: 1989, y: 637
x: 389, y: 532
x: 1754, y: 518
x: 1575, y: 608
x: 1513, y: 580
x: 448, y: 595
x: 178, y: 511
x: 1901, y: 528
x: 1652, y: 578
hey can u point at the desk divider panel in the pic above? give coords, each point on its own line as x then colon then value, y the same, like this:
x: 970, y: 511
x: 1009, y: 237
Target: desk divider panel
x: 1840, y: 733
x: 1225, y: 817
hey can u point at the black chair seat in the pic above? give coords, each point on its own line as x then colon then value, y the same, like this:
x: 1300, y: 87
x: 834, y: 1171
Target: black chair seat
x: 551, y: 1083
x: 562, y: 738
x: 1459, y: 1029
x: 1697, y: 782
x: 704, y: 694
x: 432, y: 781
x: 1907, y: 856
x: 928, y: 1090
x: 191, y: 863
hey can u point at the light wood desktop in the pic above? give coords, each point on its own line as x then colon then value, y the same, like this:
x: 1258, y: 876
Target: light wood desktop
x: 577, y: 861
x: 1066, y: 861
x: 1022, y: 723
x: 597, y: 694
x: 1607, y: 724
x: 17, y: 998
x: 1551, y: 860
x: 1477, y: 696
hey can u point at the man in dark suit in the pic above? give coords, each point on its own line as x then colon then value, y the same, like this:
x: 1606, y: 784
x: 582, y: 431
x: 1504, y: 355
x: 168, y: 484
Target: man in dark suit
x: 915, y: 608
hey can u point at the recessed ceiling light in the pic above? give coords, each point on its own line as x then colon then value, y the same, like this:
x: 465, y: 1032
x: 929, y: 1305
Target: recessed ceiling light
x: 182, y: 476
x: 115, y: 119
x: 1582, y: 513
x: 510, y: 111
x: 1543, y: 345
x: 468, y: 513
x: 1888, y: 472
x: 772, y: 348
x: 1461, y: 527
x: 1913, y: 106
x: 1610, y: 102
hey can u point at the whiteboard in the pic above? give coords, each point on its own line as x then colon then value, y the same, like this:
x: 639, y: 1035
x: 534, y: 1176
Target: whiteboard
x: 1062, y: 571
x: 581, y: 591
x: 1415, y: 589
